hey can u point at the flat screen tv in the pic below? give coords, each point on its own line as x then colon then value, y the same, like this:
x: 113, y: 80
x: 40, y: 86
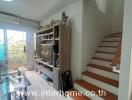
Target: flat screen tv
x: 47, y: 53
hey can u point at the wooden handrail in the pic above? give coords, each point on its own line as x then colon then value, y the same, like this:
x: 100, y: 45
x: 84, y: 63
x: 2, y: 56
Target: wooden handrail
x: 117, y: 56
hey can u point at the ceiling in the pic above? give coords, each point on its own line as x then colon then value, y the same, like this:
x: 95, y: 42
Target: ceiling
x: 34, y: 9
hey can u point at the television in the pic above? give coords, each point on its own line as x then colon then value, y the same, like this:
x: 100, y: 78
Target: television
x: 47, y: 53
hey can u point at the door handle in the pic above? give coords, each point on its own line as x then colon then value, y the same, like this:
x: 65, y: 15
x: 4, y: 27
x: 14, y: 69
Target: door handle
x: 24, y: 49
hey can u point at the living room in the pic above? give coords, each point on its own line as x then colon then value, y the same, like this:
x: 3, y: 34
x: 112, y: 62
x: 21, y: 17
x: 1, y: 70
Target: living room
x: 51, y: 49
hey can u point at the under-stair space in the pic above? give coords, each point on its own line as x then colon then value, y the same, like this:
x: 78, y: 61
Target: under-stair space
x: 99, y: 74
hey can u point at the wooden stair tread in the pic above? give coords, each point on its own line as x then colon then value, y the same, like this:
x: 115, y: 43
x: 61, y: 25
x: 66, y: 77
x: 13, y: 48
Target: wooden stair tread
x: 108, y: 46
x: 90, y: 87
x: 111, y: 36
x: 101, y: 78
x: 103, y: 59
x: 105, y: 52
x: 77, y: 97
x: 101, y: 67
x: 110, y: 41
x: 120, y: 33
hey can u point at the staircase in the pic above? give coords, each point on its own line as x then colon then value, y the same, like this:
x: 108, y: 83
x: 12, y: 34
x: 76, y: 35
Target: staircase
x: 99, y: 74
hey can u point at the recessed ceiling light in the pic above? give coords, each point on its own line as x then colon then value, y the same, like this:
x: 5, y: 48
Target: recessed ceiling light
x: 8, y: 0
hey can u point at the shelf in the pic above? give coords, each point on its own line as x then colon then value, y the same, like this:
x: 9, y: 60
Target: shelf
x: 51, y: 33
x: 56, y: 54
x: 46, y: 43
x: 57, y: 38
x: 44, y: 63
x: 57, y: 24
x: 45, y: 34
x: 50, y: 29
x: 41, y: 35
x: 57, y: 68
x: 47, y: 40
x: 44, y: 70
x: 47, y: 64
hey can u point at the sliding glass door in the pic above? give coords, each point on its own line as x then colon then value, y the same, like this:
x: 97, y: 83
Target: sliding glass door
x: 12, y: 56
x: 3, y: 67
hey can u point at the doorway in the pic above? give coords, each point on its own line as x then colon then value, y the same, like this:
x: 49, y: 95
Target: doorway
x: 16, y: 54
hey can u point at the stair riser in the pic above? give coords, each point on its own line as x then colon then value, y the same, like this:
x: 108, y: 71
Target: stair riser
x: 101, y: 63
x: 100, y: 84
x: 107, y: 49
x: 109, y: 44
x: 112, y: 39
x: 102, y: 55
x: 106, y: 74
x: 84, y: 91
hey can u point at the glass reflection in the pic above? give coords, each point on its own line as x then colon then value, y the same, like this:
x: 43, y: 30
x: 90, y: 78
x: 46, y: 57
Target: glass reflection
x: 3, y: 69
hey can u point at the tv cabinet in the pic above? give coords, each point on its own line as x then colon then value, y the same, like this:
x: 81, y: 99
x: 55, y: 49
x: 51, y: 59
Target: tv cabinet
x: 53, y: 50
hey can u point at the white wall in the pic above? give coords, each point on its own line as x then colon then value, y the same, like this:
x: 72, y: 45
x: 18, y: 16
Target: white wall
x: 74, y: 11
x: 97, y: 18
x: 125, y: 86
x: 117, y: 18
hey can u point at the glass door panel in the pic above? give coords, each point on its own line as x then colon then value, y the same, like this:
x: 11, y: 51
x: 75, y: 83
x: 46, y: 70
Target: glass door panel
x: 16, y: 41
x: 3, y: 68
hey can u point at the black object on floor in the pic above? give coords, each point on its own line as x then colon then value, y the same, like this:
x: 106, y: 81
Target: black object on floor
x: 66, y: 81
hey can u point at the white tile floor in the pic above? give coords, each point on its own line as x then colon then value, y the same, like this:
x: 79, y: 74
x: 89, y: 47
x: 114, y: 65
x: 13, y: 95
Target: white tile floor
x: 38, y: 84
